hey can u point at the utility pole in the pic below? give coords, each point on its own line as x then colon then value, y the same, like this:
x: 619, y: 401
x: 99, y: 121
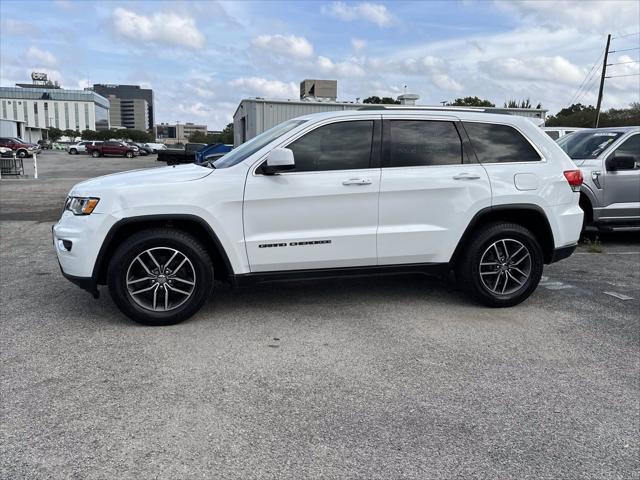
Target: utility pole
x: 604, y: 71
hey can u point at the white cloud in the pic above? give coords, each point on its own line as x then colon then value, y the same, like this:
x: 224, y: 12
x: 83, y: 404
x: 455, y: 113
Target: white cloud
x: 197, y: 109
x: 358, y: 44
x: 341, y: 69
x: 266, y: 88
x: 298, y: 47
x: 446, y: 83
x: 372, y: 12
x: 582, y: 15
x: 41, y: 57
x: 84, y: 83
x: 168, y: 28
x: 547, y: 69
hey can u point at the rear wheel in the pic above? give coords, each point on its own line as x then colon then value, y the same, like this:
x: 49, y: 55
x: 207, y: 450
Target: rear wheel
x: 73, y: 151
x: 128, y: 154
x: 160, y: 277
x: 21, y: 153
x: 502, y: 265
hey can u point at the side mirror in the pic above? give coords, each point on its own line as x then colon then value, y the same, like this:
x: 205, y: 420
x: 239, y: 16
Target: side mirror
x: 619, y: 162
x: 279, y: 160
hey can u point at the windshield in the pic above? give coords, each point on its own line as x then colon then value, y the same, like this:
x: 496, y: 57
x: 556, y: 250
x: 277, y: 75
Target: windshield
x: 239, y: 154
x: 582, y: 145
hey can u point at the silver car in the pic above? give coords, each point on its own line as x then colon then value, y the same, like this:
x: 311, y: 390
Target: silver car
x: 610, y: 162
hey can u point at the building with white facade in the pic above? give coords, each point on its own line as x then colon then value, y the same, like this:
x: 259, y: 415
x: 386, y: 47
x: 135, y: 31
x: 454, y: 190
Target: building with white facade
x: 31, y: 111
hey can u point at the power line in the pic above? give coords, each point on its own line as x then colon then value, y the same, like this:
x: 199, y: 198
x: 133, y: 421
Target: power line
x: 623, y: 63
x: 627, y: 75
x: 585, y: 79
x: 625, y: 50
x: 627, y: 35
x: 587, y: 89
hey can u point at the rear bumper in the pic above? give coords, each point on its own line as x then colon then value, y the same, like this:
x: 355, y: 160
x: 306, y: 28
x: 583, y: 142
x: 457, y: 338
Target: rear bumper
x: 563, y: 252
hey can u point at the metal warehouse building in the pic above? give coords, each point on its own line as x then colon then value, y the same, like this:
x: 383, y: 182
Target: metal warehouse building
x: 255, y: 115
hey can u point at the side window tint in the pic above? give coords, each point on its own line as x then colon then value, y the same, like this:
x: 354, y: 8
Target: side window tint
x: 499, y: 143
x: 421, y: 142
x: 630, y: 148
x: 338, y: 146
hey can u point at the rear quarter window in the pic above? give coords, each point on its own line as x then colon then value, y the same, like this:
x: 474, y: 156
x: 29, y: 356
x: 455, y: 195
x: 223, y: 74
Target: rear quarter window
x: 494, y: 143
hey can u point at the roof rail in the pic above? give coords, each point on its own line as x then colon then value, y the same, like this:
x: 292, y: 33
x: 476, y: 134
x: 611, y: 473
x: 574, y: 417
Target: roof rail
x: 422, y: 107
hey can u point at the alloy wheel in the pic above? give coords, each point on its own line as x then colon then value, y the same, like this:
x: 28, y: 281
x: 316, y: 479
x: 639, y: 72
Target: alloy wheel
x: 505, y: 266
x: 161, y: 279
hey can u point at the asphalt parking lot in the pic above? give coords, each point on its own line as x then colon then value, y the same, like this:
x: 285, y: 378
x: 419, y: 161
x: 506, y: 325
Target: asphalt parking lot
x: 373, y: 378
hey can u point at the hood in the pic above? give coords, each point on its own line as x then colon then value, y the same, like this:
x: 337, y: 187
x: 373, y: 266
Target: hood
x: 150, y: 176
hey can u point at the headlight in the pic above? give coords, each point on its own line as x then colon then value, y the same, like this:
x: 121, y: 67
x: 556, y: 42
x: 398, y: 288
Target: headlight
x: 81, y: 205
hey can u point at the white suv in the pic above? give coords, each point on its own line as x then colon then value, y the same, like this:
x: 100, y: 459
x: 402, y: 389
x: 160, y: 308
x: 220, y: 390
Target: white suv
x: 371, y: 191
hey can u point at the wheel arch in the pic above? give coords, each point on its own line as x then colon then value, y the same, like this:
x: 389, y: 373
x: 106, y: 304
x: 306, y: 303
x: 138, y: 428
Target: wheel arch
x: 191, y: 224
x: 529, y: 216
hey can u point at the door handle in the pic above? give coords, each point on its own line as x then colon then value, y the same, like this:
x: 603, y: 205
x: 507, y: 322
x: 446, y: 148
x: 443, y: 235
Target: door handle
x: 357, y: 181
x: 466, y: 176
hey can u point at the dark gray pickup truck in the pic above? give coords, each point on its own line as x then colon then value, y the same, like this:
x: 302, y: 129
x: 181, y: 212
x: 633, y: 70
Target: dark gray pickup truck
x: 174, y: 156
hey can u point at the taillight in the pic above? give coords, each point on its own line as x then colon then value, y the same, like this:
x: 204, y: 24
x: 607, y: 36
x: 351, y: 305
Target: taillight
x: 574, y: 177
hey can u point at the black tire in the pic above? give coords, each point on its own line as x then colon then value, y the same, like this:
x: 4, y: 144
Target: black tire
x: 21, y: 153
x: 160, y: 238
x: 468, y: 268
x: 129, y: 154
x: 95, y: 154
x: 73, y: 151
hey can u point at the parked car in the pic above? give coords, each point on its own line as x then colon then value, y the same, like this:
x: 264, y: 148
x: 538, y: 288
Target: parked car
x: 488, y: 196
x: 5, y: 152
x: 144, y: 150
x: 212, y: 151
x: 156, y: 147
x: 22, y: 148
x: 81, y: 147
x: 610, y: 162
x: 134, y: 146
x: 44, y: 144
x: 559, y: 132
x: 174, y: 156
x: 111, y: 148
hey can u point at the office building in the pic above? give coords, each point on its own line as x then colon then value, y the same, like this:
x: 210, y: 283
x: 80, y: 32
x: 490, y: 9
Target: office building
x: 132, y: 110
x: 178, y: 133
x: 28, y: 112
x: 129, y: 113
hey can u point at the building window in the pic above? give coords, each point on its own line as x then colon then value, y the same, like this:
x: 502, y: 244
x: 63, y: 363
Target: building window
x: 56, y: 114
x: 77, y: 112
x: 15, y: 110
x: 86, y: 115
x: 46, y: 114
x: 25, y: 112
x: 35, y: 114
x: 66, y: 116
x: 4, y: 109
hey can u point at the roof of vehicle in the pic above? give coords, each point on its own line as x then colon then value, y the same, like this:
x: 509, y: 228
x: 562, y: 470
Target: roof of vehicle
x: 463, y: 113
x: 611, y: 129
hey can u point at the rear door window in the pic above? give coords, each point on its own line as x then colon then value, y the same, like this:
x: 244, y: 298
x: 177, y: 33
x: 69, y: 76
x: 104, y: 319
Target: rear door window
x: 494, y: 143
x: 417, y: 143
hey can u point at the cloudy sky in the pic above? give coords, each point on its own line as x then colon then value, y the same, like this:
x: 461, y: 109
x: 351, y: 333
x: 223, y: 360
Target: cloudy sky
x: 202, y: 57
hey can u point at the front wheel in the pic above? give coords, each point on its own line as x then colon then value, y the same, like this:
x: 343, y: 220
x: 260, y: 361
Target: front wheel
x: 129, y: 154
x: 73, y: 151
x: 160, y: 276
x: 502, y: 265
x: 22, y: 153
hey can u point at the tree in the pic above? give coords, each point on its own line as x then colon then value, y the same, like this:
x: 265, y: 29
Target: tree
x: 55, y: 134
x: 89, y: 135
x: 577, y: 115
x: 526, y: 103
x: 227, y: 134
x: 471, y: 102
x: 70, y: 133
x: 384, y: 100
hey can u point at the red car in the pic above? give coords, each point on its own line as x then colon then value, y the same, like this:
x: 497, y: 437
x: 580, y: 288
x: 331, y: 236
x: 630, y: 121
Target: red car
x: 22, y: 148
x: 104, y: 149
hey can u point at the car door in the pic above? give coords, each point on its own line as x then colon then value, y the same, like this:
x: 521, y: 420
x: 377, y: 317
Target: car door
x: 430, y: 189
x: 324, y: 213
x: 622, y: 187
